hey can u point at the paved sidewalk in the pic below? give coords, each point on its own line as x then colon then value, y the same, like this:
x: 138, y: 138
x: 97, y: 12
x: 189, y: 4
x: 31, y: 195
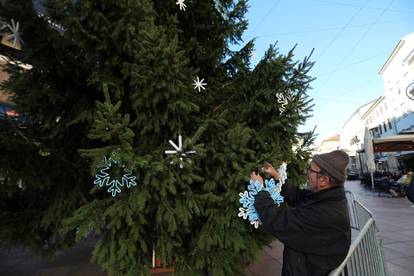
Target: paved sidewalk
x: 74, y: 262
x: 270, y: 261
x: 394, y: 216
x: 395, y: 220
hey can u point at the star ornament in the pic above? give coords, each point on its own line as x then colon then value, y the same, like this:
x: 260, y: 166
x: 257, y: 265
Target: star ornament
x: 15, y: 35
x: 199, y: 84
x: 179, y: 151
x: 181, y: 4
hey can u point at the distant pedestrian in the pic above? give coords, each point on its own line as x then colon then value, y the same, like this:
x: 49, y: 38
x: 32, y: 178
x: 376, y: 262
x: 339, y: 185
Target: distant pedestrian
x: 399, y: 187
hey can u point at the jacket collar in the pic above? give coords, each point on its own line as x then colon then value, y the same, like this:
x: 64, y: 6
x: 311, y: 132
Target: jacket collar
x: 333, y: 194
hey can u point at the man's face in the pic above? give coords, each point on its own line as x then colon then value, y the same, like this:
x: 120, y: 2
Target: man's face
x: 316, y: 180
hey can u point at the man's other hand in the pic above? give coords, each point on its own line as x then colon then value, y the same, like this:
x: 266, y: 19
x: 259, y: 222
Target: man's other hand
x: 268, y: 169
x: 254, y: 176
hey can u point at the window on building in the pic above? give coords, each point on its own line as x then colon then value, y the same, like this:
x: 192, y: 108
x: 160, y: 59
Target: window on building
x: 380, y: 129
x: 385, y: 127
x: 381, y: 109
x: 389, y: 124
x: 385, y: 106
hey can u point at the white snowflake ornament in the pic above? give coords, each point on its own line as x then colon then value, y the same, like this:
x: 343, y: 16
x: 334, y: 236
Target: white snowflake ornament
x: 179, y: 151
x: 282, y: 173
x: 199, y: 84
x: 284, y: 99
x: 181, y: 4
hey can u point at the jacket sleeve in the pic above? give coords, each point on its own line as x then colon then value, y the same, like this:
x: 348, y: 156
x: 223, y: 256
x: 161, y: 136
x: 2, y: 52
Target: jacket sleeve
x: 292, y: 226
x: 292, y: 194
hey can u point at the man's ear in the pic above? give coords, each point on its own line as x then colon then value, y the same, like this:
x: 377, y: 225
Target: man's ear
x: 325, y: 181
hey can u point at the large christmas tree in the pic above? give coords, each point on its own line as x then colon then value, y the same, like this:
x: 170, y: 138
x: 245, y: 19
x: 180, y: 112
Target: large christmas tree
x: 111, y: 83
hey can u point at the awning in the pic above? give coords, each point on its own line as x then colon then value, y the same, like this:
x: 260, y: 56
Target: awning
x: 403, y: 142
x: 405, y: 155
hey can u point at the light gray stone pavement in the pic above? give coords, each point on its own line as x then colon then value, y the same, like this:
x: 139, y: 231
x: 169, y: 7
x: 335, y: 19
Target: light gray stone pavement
x: 395, y: 220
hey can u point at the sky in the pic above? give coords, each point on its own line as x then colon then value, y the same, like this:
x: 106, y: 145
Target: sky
x: 352, y: 40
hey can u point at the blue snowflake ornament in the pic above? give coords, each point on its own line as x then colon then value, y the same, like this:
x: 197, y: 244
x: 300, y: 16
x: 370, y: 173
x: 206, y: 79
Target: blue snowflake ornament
x: 274, y: 190
x: 103, y: 178
x: 247, y: 211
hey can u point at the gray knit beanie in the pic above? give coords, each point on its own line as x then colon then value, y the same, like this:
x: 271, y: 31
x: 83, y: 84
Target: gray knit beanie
x: 334, y: 163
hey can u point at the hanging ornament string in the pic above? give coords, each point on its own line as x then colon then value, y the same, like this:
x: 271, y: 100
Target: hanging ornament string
x: 178, y: 150
x: 177, y: 110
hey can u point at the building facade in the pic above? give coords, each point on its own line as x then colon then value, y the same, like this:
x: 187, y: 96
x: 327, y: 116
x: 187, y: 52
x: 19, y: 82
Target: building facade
x: 398, y: 78
x: 379, y: 118
x: 390, y: 114
x: 352, y: 137
x: 330, y: 144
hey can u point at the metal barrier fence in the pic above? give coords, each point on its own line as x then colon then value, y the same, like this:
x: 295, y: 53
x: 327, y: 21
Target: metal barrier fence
x: 365, y: 256
x: 359, y: 214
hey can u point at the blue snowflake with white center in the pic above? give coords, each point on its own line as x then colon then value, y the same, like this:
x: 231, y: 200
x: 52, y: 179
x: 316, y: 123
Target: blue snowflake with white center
x: 103, y: 178
x: 247, y: 211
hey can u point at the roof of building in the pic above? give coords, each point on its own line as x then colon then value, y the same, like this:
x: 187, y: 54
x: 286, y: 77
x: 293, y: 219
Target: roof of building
x: 395, y: 51
x: 373, y: 105
x: 332, y: 138
x: 362, y: 108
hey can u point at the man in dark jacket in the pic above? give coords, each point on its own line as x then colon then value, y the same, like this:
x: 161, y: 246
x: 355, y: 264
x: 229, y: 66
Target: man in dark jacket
x: 315, y: 228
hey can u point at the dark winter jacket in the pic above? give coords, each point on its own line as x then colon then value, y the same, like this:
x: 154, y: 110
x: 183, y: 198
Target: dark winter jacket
x: 315, y: 228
